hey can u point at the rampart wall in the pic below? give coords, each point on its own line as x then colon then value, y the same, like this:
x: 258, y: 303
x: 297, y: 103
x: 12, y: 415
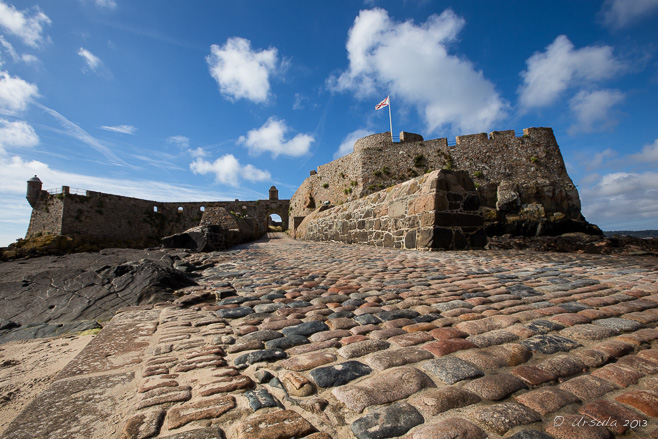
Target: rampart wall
x: 125, y: 220
x: 522, y: 182
x: 436, y: 211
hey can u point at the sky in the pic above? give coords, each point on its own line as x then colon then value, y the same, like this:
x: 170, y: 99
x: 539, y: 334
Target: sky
x: 202, y: 101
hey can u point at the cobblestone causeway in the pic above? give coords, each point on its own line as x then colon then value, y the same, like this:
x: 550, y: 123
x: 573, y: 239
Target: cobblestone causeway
x: 324, y: 340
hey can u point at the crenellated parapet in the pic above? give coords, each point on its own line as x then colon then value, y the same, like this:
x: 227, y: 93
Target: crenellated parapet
x: 521, y: 179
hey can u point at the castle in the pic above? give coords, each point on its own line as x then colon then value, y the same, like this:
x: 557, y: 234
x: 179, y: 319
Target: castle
x: 415, y: 193
x: 125, y: 221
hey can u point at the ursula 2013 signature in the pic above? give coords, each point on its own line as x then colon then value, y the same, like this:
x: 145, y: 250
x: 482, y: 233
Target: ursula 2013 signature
x: 585, y: 421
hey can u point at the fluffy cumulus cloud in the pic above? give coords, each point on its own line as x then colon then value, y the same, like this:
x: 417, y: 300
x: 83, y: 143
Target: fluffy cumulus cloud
x: 561, y: 66
x: 413, y: 63
x: 26, y: 25
x: 16, y: 134
x: 622, y: 200
x: 15, y: 93
x: 240, y: 72
x: 228, y: 170
x: 592, y: 110
x: 123, y: 129
x: 271, y: 138
x: 347, y: 145
x: 617, y: 14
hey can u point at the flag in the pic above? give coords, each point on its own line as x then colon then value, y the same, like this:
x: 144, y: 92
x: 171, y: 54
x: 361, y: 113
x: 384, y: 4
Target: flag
x: 383, y: 104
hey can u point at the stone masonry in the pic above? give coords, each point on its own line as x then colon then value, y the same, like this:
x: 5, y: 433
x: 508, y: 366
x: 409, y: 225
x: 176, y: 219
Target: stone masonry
x: 125, y: 221
x: 522, y: 182
x: 437, y: 211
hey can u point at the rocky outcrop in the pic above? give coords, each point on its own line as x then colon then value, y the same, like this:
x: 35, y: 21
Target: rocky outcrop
x: 578, y: 243
x: 218, y: 230
x: 46, y: 296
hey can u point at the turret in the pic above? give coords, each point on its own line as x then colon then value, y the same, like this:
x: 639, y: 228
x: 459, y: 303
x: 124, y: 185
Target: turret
x: 33, y: 190
x: 274, y: 193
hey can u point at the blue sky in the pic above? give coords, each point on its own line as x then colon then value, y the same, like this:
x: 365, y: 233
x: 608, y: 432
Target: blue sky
x: 206, y: 100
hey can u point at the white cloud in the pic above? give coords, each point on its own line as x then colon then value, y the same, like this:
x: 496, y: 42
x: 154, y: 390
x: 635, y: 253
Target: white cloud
x: 180, y: 141
x: 228, y: 170
x: 623, y: 200
x: 92, y: 61
x: 73, y: 130
x: 649, y: 154
x: 184, y: 143
x: 597, y: 160
x: 26, y: 58
x: 592, y: 110
x: 16, y: 134
x: 240, y: 72
x: 123, y: 129
x: 412, y: 63
x: 270, y: 138
x: 26, y: 26
x: 15, y: 94
x: 109, y: 4
x: 560, y: 67
x: 617, y: 14
x: 347, y: 146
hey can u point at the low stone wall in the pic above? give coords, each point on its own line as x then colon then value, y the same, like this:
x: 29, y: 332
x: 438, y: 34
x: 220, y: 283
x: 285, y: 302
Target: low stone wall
x: 437, y: 211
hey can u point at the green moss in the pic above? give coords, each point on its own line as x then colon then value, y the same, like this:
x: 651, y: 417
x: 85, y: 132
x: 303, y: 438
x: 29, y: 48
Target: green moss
x: 90, y: 331
x: 477, y: 174
x: 377, y: 173
x: 534, y: 159
x: 418, y: 160
x: 325, y: 185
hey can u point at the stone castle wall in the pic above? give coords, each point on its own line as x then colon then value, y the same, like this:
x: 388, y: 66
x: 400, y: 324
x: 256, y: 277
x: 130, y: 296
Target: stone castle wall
x: 521, y: 181
x: 436, y: 211
x: 125, y: 220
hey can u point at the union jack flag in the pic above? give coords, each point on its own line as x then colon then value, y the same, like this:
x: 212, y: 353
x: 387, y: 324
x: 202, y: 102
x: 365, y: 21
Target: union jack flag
x: 383, y: 103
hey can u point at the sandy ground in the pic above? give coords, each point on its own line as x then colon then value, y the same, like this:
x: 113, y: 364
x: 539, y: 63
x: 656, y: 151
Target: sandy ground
x: 28, y: 367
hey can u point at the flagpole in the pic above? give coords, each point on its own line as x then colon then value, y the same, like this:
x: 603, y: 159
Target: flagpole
x: 389, y: 118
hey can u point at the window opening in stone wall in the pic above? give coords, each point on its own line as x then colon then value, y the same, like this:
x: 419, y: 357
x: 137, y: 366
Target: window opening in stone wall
x: 202, y: 208
x: 180, y: 209
x: 155, y: 209
x: 274, y: 223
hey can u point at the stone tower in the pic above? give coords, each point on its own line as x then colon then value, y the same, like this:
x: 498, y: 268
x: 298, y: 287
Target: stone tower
x: 274, y: 193
x: 33, y: 190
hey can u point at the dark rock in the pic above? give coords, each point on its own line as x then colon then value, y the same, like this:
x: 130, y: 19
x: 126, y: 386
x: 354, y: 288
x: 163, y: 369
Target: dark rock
x: 398, y: 314
x: 235, y: 313
x: 85, y: 286
x: 549, y: 344
x: 367, y: 319
x: 7, y: 324
x: 286, y: 342
x: 544, y: 326
x: 259, y: 356
x: 392, y: 421
x: 452, y: 369
x: 260, y: 398
x: 305, y: 329
x: 339, y: 374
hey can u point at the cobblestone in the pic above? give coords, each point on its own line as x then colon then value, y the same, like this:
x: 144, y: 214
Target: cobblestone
x: 322, y: 338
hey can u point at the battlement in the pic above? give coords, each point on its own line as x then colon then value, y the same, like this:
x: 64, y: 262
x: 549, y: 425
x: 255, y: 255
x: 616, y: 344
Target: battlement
x: 530, y: 165
x: 119, y: 219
